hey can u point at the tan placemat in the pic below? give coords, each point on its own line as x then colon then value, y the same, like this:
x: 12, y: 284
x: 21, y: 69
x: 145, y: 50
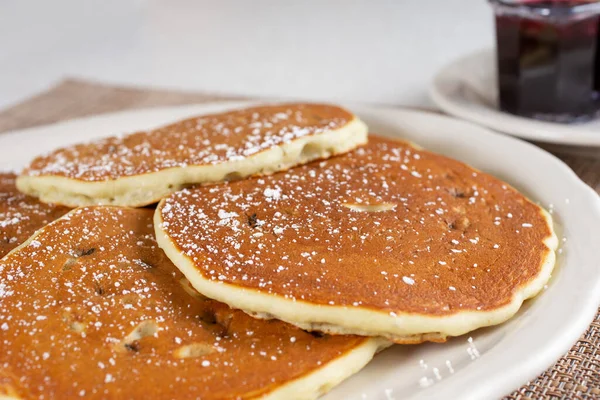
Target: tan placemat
x: 575, y: 376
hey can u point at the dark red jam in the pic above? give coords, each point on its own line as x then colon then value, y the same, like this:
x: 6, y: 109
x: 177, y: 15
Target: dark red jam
x: 549, y: 58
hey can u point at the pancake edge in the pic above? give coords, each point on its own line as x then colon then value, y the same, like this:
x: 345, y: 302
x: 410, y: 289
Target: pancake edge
x: 318, y: 382
x: 403, y: 328
x: 310, y: 386
x: 148, y: 188
x: 9, y: 397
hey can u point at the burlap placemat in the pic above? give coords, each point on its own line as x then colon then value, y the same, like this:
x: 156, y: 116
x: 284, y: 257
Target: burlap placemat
x: 575, y: 376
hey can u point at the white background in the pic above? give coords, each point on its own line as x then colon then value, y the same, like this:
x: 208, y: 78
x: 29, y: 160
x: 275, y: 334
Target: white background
x: 369, y: 51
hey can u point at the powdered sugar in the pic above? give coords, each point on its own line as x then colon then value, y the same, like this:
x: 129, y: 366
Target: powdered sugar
x: 210, y: 139
x: 317, y: 232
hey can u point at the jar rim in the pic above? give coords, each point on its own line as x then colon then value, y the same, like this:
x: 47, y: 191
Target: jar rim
x: 533, y: 8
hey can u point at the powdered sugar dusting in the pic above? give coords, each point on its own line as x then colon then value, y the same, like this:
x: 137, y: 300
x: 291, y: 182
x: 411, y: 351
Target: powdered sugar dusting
x: 210, y: 139
x: 383, y: 226
x: 93, y: 306
x: 21, y: 215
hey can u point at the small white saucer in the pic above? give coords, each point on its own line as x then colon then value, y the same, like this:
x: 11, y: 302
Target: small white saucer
x: 467, y: 88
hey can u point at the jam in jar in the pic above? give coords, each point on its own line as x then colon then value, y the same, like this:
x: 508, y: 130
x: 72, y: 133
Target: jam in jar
x: 549, y: 58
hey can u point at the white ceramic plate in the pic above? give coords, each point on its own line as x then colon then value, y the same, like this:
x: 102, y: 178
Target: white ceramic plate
x: 467, y: 88
x: 495, y: 360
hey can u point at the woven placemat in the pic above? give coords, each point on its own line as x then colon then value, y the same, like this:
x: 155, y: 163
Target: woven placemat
x: 574, y: 376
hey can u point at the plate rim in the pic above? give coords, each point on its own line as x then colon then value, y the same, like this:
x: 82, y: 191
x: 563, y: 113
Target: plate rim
x: 499, y: 121
x: 496, y: 384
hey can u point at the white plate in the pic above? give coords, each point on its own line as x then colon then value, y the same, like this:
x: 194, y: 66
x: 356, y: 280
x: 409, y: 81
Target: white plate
x: 499, y: 359
x: 468, y: 89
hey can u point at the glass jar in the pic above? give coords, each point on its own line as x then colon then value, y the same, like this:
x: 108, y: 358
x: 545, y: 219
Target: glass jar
x: 548, y: 58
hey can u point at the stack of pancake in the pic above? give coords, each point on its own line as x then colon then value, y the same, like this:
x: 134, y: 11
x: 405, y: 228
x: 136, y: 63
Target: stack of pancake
x: 286, y: 249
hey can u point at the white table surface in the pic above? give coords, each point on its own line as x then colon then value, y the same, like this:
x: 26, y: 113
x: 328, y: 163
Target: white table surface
x: 370, y: 51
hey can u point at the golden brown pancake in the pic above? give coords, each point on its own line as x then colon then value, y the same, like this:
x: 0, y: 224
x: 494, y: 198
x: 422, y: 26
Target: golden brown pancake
x: 386, y: 240
x: 141, y: 168
x: 21, y: 215
x: 91, y: 307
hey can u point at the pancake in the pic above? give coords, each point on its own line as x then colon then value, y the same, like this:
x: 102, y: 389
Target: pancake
x: 141, y: 168
x: 387, y: 240
x: 21, y: 215
x: 91, y: 307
